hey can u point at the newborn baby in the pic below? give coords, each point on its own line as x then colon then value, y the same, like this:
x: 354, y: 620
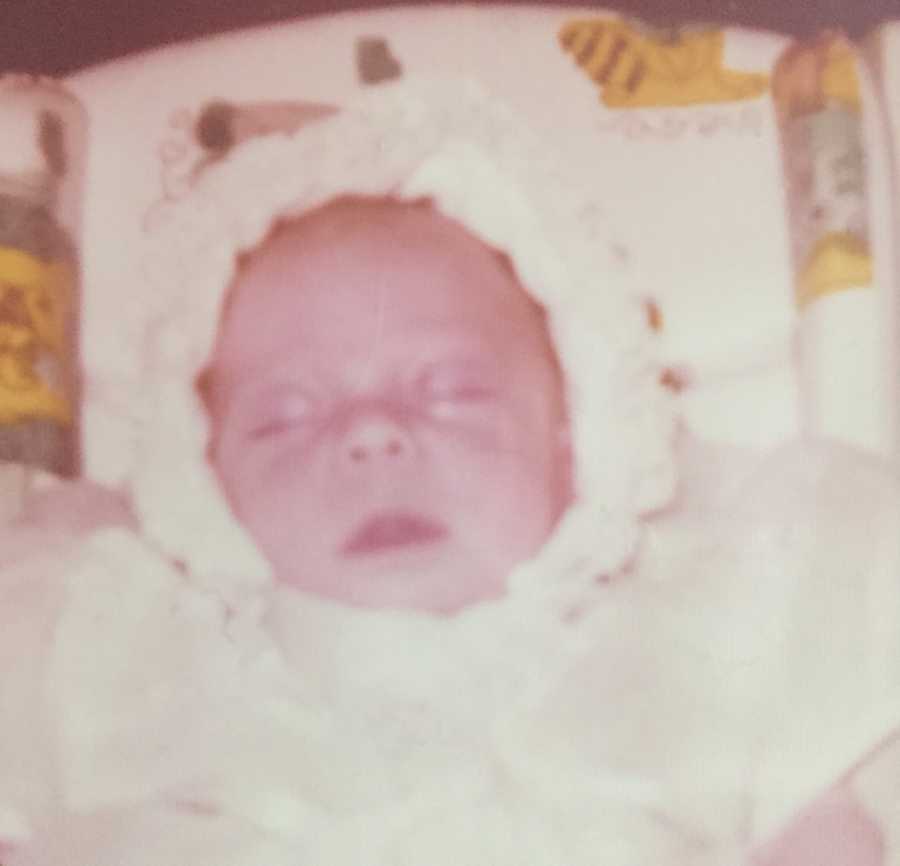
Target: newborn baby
x: 411, y: 581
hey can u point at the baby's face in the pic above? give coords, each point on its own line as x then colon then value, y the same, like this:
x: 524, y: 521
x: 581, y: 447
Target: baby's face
x: 387, y: 414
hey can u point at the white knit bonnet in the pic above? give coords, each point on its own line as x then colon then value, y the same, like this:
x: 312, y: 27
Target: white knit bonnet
x: 479, y: 165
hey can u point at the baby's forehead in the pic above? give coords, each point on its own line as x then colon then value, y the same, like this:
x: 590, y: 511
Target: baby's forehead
x: 389, y: 236
x: 358, y: 259
x: 378, y: 219
x: 399, y: 280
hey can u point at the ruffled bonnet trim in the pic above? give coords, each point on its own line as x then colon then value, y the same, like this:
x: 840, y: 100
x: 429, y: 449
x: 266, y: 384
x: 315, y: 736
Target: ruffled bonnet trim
x: 483, y: 167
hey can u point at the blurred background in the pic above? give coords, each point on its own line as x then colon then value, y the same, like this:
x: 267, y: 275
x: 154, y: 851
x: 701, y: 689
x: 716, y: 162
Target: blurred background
x: 59, y: 36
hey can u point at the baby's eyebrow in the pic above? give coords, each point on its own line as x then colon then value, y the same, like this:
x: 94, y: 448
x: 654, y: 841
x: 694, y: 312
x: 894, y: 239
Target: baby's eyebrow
x: 260, y: 391
x: 466, y: 362
x: 435, y: 343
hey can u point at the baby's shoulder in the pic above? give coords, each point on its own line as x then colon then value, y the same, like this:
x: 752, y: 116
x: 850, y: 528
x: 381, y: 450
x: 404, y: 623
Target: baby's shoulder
x: 57, y: 518
x: 73, y: 552
x: 805, y: 499
x: 836, y: 507
x: 822, y: 471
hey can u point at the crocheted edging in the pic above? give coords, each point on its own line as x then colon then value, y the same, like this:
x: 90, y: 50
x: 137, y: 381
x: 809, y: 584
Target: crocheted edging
x: 481, y: 166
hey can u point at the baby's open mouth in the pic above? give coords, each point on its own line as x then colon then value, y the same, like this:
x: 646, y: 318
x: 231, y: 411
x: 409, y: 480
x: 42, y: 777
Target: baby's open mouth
x: 392, y: 529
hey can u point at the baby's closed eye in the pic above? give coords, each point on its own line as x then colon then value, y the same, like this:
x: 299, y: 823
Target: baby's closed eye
x: 448, y: 388
x: 279, y: 412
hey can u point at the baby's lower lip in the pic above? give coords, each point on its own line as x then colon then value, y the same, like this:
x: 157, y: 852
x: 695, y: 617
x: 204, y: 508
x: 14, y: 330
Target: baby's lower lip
x: 391, y: 532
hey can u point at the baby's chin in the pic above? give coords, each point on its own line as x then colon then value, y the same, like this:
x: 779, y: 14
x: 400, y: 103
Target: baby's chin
x: 432, y: 582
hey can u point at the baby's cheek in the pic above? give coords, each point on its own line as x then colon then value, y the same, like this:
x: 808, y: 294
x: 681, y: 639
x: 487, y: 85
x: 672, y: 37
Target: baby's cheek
x: 279, y: 493
x: 508, y: 497
x: 267, y: 471
x: 255, y: 491
x: 285, y: 524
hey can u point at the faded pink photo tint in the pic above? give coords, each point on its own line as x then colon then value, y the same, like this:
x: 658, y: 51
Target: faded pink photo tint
x: 487, y: 428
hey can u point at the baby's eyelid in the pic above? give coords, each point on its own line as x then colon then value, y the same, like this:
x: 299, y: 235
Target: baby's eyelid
x: 462, y: 379
x: 278, y: 410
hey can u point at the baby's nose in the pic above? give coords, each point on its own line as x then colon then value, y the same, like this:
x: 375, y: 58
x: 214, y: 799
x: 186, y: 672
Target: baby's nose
x: 375, y: 436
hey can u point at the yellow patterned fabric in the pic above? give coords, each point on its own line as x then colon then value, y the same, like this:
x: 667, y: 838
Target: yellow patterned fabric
x: 33, y: 300
x: 637, y: 67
